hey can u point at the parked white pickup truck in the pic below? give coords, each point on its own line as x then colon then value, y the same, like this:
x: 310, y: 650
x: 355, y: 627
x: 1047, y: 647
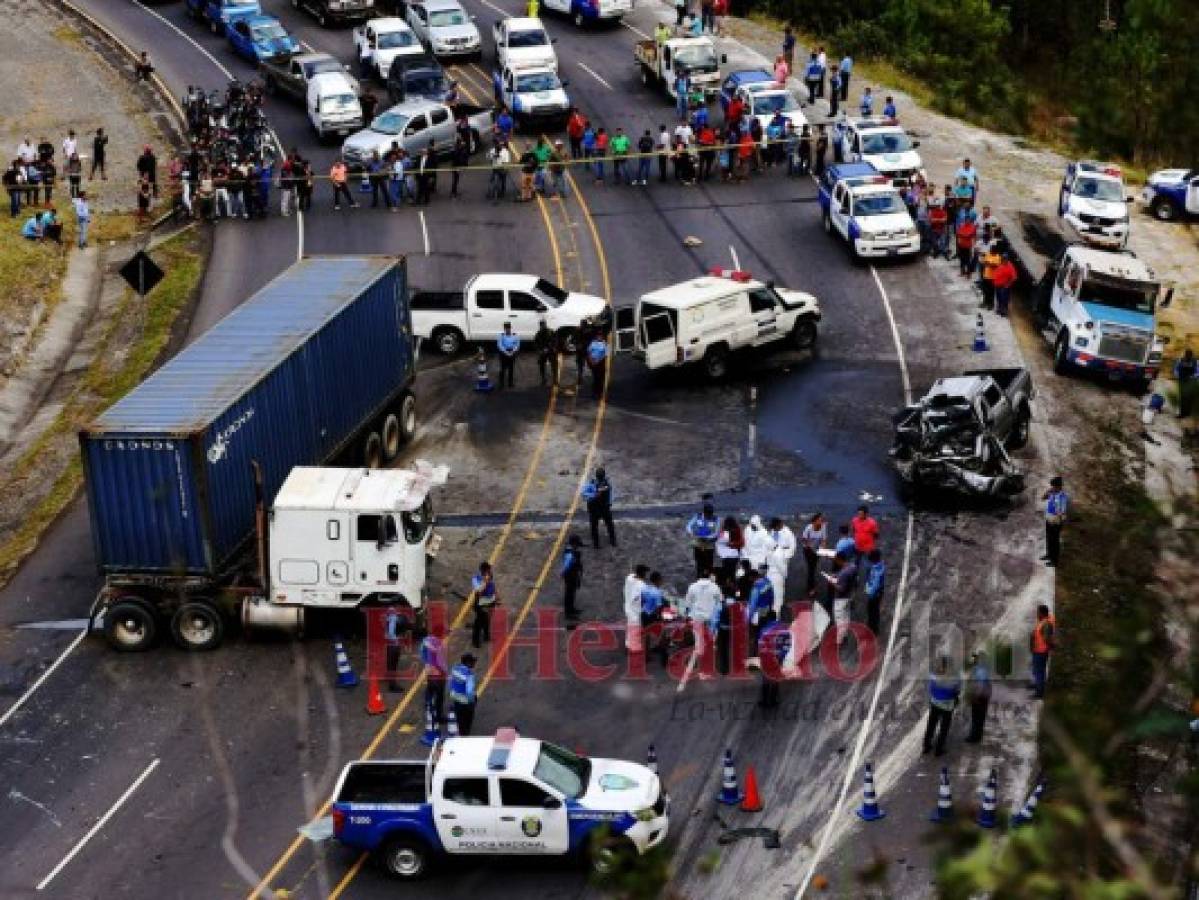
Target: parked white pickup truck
x: 478, y: 312
x: 523, y: 42
x: 379, y: 41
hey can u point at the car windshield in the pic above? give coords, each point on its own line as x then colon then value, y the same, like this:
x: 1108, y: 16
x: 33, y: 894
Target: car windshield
x: 550, y: 291
x: 877, y: 205
x: 269, y: 32
x: 699, y: 57
x: 537, y: 81
x: 534, y: 38
x: 1099, y: 189
x: 338, y: 103
x: 1120, y: 296
x: 886, y: 142
x: 392, y: 40
x: 772, y: 103
x: 562, y: 770
x: 389, y: 123
x: 443, y: 17
x: 430, y: 84
x: 229, y: 4
x: 321, y: 65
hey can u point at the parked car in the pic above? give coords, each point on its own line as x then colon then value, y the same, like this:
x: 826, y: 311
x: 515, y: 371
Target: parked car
x: 536, y: 96
x: 587, y: 12
x: 883, y: 144
x: 291, y: 76
x: 218, y: 14
x: 330, y: 12
x: 864, y: 209
x: 445, y: 28
x: 738, y: 79
x: 1172, y: 194
x: 1093, y: 205
x: 523, y: 42
x: 332, y: 105
x: 256, y: 38
x: 417, y: 78
x: 378, y: 42
x: 414, y: 125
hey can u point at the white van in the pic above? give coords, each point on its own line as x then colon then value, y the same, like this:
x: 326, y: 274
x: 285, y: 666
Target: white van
x: 704, y: 320
x: 332, y: 105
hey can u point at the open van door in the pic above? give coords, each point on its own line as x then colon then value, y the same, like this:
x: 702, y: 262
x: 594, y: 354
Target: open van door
x: 626, y: 329
x: 657, y: 338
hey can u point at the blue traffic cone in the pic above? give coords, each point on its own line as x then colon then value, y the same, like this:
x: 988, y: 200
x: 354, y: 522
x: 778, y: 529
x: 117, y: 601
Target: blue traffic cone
x: 345, y: 675
x: 869, y: 811
x: 651, y: 759
x: 451, y: 724
x: 730, y: 794
x: 944, y: 810
x: 1030, y: 805
x: 986, y: 812
x: 483, y: 383
x: 432, y: 729
x: 980, y: 335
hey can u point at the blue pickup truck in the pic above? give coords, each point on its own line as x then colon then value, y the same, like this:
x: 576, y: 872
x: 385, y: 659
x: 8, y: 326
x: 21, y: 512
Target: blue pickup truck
x: 220, y: 14
x: 505, y: 795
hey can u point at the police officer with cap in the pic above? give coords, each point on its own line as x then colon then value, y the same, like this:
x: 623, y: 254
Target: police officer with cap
x: 774, y: 648
x: 704, y: 529
x: 598, y: 494
x: 1057, y: 503
x: 572, y: 574
x: 463, y: 693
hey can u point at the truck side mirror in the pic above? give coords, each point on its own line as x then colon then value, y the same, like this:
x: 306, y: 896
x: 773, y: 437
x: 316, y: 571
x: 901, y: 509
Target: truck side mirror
x: 393, y: 572
x: 1168, y: 298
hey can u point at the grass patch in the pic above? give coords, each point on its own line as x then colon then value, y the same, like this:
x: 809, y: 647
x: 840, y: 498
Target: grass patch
x: 31, y: 271
x: 125, y: 356
x: 67, y: 34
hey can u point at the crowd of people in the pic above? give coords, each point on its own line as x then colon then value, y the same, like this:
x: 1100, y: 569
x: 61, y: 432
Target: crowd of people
x: 31, y: 182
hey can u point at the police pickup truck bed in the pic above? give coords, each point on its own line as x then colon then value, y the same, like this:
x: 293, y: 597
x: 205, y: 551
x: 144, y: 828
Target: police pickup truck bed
x: 503, y: 795
x: 291, y: 75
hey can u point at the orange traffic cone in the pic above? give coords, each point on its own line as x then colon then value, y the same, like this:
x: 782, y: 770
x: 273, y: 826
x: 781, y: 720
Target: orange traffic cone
x: 753, y: 800
x: 374, y: 699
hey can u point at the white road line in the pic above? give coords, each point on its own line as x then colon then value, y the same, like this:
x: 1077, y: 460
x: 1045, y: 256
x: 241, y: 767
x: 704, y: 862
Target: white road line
x: 590, y: 71
x: 216, y: 62
x: 37, y: 684
x: 636, y: 30
x: 855, y: 760
x: 733, y: 254
x: 687, y: 672
x: 96, y: 828
x: 502, y: 12
x: 424, y: 230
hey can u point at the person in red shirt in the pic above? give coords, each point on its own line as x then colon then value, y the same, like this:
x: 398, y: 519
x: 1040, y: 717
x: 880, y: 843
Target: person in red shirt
x: 707, y: 151
x: 967, y: 232
x: 732, y: 115
x: 575, y: 126
x: 938, y: 223
x: 865, y: 533
x: 745, y: 153
x: 1004, y: 277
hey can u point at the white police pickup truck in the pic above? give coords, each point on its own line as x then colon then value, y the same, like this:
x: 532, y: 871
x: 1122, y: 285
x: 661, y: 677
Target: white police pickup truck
x: 883, y: 144
x: 501, y: 796
x: 535, y: 94
x: 1098, y: 310
x: 1093, y: 205
x: 1172, y: 194
x: 864, y: 209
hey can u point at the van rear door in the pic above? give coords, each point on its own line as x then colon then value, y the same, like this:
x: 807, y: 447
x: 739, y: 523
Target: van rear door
x: 626, y: 329
x: 658, y: 337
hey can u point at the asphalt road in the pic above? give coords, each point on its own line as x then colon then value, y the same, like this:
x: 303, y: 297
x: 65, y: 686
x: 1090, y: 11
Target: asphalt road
x: 245, y: 743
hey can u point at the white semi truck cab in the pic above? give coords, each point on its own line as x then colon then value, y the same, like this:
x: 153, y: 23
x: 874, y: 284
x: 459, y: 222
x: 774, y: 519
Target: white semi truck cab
x: 1098, y: 309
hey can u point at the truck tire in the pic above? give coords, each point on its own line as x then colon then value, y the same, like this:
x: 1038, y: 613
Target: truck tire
x: 448, y: 341
x: 567, y: 340
x: 1061, y: 354
x: 405, y: 857
x: 645, y: 76
x: 1164, y: 209
x: 372, y: 450
x: 197, y: 625
x: 716, y: 363
x: 804, y: 333
x: 607, y: 855
x: 390, y: 432
x: 828, y: 224
x: 1019, y: 436
x: 130, y: 625
x: 407, y: 417
x: 214, y: 26
x: 580, y: 22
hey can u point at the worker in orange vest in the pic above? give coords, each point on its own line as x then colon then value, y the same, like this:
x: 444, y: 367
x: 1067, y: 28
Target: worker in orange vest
x: 1042, y: 642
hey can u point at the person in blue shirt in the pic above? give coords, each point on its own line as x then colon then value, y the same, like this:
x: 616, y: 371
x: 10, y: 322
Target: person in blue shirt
x: 760, y: 611
x: 432, y: 657
x: 597, y: 360
x: 509, y: 345
x: 846, y: 70
x: 598, y: 494
x: 653, y: 600
x: 845, y: 544
x: 682, y: 87
x: 876, y: 579
x: 866, y: 105
x: 463, y: 693
x: 572, y: 574
x: 1057, y: 503
x: 482, y: 587
x: 812, y: 77
x: 32, y: 229
x: 944, y: 690
x: 395, y: 625
x: 504, y: 124
x: 773, y: 647
x: 889, y: 111
x: 703, y: 527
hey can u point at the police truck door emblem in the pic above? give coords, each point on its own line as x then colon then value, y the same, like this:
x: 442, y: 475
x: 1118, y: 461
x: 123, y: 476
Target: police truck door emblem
x: 457, y: 831
x: 531, y: 826
x: 616, y: 783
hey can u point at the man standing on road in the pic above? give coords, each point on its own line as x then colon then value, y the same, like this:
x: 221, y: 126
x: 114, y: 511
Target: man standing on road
x: 147, y: 166
x: 978, y: 695
x: 633, y: 584
x: 841, y: 583
x: 944, y: 689
x: 865, y: 533
x: 1042, y: 642
x: 337, y: 177
x: 575, y: 126
x: 463, y: 693
x: 1057, y: 503
x: 645, y: 153
x: 393, y: 627
x: 846, y: 69
x: 482, y: 586
x: 500, y: 158
x: 1185, y: 371
x: 597, y: 359
x: 789, y: 48
x: 703, y: 528
x: 509, y: 345
x: 702, y: 605
x: 876, y: 583
x: 811, y: 77
x: 970, y: 175
x: 572, y: 574
x: 620, y: 157
x: 1004, y: 276
x: 83, y: 218
x: 99, y: 155
x: 598, y: 494
x: 547, y: 354
x: 432, y: 657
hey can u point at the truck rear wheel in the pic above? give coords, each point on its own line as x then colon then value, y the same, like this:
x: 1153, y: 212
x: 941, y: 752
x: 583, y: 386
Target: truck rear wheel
x: 391, y: 437
x: 1163, y: 209
x: 405, y: 857
x: 130, y: 625
x: 1061, y: 355
x: 716, y: 363
x: 197, y: 625
x: 804, y: 334
x: 1020, y: 428
x: 448, y: 341
x: 372, y: 450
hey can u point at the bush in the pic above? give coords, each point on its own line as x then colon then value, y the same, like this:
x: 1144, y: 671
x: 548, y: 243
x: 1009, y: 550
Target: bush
x: 862, y: 40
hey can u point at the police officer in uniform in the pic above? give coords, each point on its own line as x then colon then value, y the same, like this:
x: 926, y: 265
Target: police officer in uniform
x: 598, y: 494
x: 482, y: 586
x: 1057, y: 503
x: 432, y: 657
x: 508, y: 345
x: 572, y: 574
x: 704, y: 529
x: 774, y: 646
x: 463, y: 693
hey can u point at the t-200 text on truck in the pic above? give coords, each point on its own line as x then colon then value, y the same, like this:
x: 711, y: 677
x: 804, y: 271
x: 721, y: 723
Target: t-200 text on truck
x: 318, y: 365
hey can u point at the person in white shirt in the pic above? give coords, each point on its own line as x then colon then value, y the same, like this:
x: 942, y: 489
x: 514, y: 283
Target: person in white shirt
x: 815, y: 536
x: 729, y: 544
x: 664, y: 145
x: 783, y: 537
x: 70, y: 146
x: 758, y: 544
x: 702, y: 607
x: 25, y: 152
x: 683, y: 132
x: 633, y: 584
x: 777, y: 562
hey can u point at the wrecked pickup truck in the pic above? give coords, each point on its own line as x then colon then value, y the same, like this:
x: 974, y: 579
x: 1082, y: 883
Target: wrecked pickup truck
x: 957, y: 437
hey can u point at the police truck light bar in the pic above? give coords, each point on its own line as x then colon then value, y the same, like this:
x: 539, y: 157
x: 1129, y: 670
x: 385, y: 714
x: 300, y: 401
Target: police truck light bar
x: 501, y: 747
x: 734, y: 274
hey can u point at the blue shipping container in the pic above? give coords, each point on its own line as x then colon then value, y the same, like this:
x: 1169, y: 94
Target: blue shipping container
x: 286, y: 379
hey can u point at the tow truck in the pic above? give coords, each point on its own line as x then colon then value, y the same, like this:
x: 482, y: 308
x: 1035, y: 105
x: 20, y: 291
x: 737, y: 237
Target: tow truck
x: 694, y: 57
x: 505, y: 795
x: 1093, y: 205
x: 864, y: 208
x: 1098, y: 308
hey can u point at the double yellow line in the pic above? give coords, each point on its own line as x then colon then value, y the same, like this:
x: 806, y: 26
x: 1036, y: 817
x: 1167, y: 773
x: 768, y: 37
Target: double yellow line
x: 263, y: 888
